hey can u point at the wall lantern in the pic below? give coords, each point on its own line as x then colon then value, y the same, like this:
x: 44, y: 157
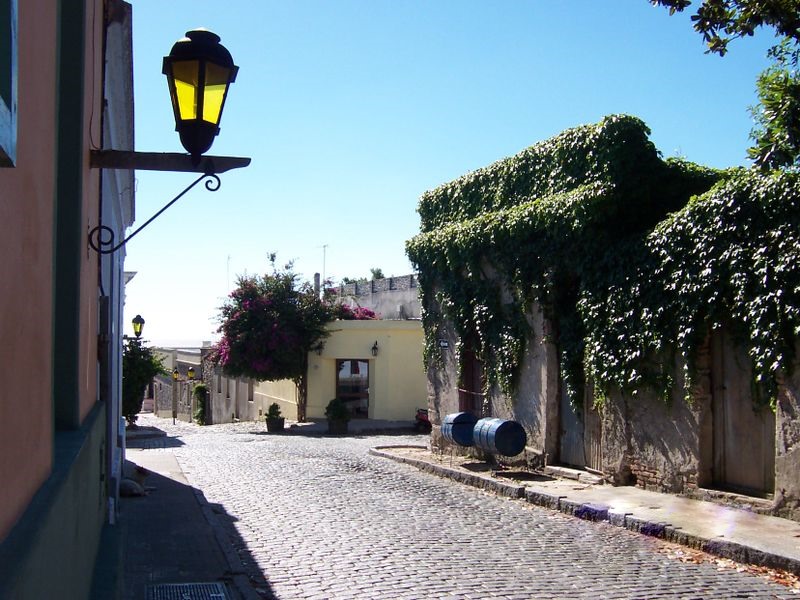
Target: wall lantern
x: 199, y: 70
x: 190, y: 373
x: 175, y: 374
x: 138, y: 325
x: 375, y: 348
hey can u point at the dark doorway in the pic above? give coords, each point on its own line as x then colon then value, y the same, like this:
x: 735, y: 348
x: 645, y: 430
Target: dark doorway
x: 470, y: 387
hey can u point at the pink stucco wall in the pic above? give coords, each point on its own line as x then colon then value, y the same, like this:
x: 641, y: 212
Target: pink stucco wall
x: 27, y: 202
x: 26, y: 271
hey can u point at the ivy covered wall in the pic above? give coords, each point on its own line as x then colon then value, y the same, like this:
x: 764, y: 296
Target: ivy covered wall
x: 632, y: 257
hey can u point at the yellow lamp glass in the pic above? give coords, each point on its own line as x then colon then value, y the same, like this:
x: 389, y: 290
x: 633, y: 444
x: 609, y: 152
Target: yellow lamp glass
x: 199, y: 70
x: 216, y: 84
x: 186, y: 77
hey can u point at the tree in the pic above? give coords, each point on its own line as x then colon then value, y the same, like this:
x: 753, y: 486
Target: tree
x: 720, y: 21
x: 377, y: 273
x: 777, y: 131
x: 269, y: 324
x: 139, y: 366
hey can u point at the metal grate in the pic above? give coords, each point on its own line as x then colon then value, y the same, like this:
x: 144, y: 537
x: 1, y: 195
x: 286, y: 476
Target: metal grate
x: 187, y: 591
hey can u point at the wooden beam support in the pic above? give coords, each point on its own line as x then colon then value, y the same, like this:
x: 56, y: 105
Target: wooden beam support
x: 164, y: 161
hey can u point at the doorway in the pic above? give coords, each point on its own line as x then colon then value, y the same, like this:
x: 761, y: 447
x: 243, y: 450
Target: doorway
x: 352, y: 386
x: 743, y: 434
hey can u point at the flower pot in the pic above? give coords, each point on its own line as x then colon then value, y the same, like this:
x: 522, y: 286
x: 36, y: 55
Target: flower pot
x: 337, y: 426
x: 275, y: 424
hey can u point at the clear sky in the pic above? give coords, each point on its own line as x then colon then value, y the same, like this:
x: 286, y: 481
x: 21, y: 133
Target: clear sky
x: 351, y: 109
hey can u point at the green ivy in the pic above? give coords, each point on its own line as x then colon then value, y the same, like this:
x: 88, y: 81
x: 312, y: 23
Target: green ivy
x: 632, y: 258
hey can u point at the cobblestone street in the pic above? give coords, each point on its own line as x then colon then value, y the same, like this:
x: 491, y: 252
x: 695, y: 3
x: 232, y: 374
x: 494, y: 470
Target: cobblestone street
x: 321, y: 518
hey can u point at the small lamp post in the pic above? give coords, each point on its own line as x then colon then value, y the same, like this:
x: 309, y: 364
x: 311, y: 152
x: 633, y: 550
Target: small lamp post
x: 138, y: 325
x: 375, y: 348
x: 199, y: 70
x: 175, y: 374
x: 190, y: 373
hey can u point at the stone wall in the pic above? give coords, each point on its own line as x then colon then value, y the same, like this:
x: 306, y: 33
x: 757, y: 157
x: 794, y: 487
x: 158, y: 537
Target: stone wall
x: 534, y: 406
x: 787, y: 442
x: 645, y: 440
x: 391, y: 298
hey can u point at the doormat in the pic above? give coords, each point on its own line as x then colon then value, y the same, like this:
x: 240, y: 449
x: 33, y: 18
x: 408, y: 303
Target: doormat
x: 187, y: 591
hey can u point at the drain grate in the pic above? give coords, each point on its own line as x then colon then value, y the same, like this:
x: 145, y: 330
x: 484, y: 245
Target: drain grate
x: 187, y: 591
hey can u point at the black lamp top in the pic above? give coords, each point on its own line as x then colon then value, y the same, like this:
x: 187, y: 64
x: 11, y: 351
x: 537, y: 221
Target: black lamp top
x: 202, y: 44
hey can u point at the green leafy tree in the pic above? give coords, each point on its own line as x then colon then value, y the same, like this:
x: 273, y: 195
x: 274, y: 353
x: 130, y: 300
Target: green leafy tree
x: 269, y: 324
x: 720, y: 21
x: 139, y: 366
x: 377, y: 273
x: 349, y: 280
x: 777, y: 117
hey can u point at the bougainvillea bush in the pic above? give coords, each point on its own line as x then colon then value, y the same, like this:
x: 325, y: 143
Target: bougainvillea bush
x: 344, y: 312
x: 269, y: 324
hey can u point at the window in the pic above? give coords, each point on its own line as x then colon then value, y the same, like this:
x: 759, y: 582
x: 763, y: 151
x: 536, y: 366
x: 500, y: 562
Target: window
x: 352, y: 385
x: 8, y: 83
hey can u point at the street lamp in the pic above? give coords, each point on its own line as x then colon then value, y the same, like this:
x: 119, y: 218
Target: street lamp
x: 199, y: 70
x: 138, y: 325
x: 175, y: 374
x: 375, y: 348
x: 190, y: 373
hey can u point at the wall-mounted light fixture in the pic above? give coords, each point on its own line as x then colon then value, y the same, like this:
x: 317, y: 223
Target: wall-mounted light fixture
x: 199, y: 70
x: 375, y: 348
x: 319, y: 348
x: 190, y: 373
x: 175, y: 374
x: 138, y: 325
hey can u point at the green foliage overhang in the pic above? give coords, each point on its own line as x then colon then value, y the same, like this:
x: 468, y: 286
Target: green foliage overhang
x: 633, y: 258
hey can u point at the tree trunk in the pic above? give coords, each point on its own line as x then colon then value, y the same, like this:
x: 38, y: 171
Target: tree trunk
x: 302, y: 392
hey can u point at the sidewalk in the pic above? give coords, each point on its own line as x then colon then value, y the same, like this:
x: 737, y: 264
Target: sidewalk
x: 734, y: 533
x: 172, y: 543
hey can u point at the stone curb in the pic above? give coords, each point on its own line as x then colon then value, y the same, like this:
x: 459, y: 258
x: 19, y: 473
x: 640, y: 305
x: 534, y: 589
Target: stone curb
x: 499, y: 487
x: 599, y: 512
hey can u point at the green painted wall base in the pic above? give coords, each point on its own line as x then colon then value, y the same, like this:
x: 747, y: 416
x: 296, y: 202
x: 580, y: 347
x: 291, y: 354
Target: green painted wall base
x: 51, y: 551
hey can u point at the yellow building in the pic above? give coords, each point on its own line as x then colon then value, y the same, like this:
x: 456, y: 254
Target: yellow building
x: 375, y: 366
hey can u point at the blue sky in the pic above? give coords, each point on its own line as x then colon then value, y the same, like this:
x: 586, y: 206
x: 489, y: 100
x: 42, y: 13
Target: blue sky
x: 351, y: 109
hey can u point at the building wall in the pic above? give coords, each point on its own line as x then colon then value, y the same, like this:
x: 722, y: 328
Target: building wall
x: 54, y: 454
x: 391, y: 298
x: 535, y: 403
x: 26, y: 211
x: 787, y: 458
x: 644, y: 440
x: 397, y: 379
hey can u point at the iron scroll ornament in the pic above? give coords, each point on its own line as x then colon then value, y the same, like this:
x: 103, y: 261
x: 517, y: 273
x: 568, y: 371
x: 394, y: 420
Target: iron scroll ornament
x: 100, y: 244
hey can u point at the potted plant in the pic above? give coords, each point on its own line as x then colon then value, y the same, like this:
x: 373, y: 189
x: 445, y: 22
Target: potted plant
x: 274, y: 419
x: 338, y: 416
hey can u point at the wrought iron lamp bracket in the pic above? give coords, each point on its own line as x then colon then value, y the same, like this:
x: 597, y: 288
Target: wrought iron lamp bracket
x: 101, y: 238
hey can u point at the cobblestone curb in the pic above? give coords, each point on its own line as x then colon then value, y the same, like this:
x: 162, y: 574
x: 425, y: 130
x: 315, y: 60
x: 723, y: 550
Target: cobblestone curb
x: 598, y: 512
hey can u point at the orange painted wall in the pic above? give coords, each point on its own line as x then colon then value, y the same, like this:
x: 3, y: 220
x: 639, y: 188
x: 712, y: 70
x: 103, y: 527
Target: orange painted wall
x: 26, y: 273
